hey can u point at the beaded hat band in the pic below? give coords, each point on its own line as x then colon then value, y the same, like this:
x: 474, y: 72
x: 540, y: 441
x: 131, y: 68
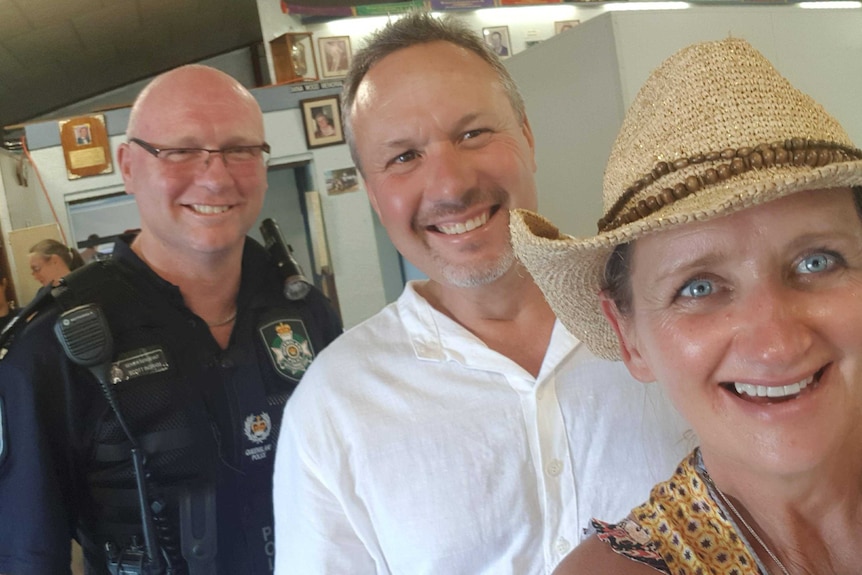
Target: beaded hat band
x: 725, y: 165
x: 714, y: 129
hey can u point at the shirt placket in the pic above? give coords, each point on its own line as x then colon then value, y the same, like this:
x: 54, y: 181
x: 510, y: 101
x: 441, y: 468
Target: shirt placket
x: 558, y: 478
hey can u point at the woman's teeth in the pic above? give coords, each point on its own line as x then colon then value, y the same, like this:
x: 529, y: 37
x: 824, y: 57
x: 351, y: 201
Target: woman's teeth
x: 463, y: 227
x: 775, y: 391
x: 204, y: 209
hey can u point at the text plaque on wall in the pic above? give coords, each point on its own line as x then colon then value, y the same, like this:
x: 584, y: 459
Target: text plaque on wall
x: 86, y: 148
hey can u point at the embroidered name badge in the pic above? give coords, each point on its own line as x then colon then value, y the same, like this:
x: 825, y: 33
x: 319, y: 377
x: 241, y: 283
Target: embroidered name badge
x: 2, y: 432
x: 138, y: 363
x: 288, y: 346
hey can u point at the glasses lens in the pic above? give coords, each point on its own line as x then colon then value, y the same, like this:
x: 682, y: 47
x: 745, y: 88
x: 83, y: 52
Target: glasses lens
x: 240, y: 155
x: 183, y: 155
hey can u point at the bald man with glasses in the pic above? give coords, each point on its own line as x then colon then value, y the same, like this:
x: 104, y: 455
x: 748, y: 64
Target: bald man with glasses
x: 158, y: 455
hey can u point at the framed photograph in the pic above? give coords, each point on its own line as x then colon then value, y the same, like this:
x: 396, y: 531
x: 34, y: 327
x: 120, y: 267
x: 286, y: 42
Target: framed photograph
x: 335, y: 55
x: 341, y: 181
x: 86, y: 147
x: 564, y: 25
x: 497, y: 38
x: 322, y: 120
x: 293, y: 58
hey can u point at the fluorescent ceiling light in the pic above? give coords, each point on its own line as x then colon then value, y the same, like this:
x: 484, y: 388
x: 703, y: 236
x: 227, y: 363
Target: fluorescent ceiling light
x: 556, y: 11
x: 631, y: 6
x: 830, y: 4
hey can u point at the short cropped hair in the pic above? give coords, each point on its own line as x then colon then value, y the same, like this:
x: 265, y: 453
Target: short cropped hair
x: 413, y: 29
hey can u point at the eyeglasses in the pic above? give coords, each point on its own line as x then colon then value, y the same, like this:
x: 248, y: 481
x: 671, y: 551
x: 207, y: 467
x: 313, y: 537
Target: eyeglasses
x: 233, y: 156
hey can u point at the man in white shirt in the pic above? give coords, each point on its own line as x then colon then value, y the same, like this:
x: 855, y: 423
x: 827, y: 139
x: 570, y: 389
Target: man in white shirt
x: 461, y: 430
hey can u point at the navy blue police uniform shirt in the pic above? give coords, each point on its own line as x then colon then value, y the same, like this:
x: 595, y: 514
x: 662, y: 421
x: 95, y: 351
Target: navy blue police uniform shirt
x: 202, y: 414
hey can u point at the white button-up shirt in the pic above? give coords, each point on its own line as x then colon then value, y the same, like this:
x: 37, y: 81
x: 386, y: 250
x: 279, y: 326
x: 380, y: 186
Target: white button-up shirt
x: 410, y: 447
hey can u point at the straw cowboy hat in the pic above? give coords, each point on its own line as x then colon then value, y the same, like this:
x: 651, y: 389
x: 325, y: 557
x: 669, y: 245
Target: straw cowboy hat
x: 715, y: 129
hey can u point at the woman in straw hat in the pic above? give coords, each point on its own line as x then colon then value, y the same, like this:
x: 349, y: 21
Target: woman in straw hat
x: 728, y: 267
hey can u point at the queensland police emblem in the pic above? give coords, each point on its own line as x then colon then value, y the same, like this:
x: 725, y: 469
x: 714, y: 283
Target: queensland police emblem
x: 289, y: 348
x: 257, y: 427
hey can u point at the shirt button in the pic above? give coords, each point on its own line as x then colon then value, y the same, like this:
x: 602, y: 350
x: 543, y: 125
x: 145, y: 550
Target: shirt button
x: 554, y: 467
x: 563, y: 546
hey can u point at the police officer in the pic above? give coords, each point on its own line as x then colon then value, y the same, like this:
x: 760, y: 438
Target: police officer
x: 205, y: 351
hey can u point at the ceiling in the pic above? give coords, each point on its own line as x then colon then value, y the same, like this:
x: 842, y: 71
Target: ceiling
x: 57, y: 52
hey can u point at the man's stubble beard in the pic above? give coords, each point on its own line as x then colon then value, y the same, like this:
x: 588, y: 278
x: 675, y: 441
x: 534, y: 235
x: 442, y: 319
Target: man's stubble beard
x: 471, y: 277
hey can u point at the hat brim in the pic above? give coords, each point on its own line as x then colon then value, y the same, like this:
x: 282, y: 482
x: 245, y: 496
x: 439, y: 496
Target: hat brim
x: 570, y: 270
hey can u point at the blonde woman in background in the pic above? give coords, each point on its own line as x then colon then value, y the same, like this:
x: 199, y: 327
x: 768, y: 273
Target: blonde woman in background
x: 50, y: 260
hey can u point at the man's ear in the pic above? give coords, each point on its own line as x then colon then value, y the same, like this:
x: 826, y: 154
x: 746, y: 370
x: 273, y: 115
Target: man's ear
x: 125, y: 161
x: 630, y: 352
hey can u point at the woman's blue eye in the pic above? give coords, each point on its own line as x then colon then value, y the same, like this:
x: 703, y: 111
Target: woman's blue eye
x: 815, y: 263
x: 696, y: 288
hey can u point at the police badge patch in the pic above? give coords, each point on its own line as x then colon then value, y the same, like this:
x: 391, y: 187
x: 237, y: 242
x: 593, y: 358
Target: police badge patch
x: 257, y: 427
x: 288, y: 346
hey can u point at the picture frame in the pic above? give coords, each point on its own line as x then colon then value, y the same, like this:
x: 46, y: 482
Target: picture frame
x: 563, y: 25
x: 321, y: 118
x: 86, y: 147
x: 341, y: 181
x: 497, y: 39
x: 293, y: 58
x: 335, y: 55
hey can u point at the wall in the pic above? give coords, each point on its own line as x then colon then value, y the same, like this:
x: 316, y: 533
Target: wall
x: 236, y: 63
x: 578, y: 85
x: 525, y: 23
x: 574, y: 105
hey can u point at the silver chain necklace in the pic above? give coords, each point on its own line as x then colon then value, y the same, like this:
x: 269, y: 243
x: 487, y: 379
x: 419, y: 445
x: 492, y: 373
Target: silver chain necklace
x: 742, y: 520
x: 223, y: 322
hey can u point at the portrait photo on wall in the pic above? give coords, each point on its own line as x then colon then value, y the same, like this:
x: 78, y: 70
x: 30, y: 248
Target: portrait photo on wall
x: 341, y: 181
x: 321, y: 118
x: 564, y: 25
x: 497, y: 38
x: 335, y: 55
x: 82, y: 134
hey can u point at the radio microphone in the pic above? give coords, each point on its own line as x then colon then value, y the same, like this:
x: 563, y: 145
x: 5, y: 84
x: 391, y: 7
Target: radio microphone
x: 296, y: 286
x: 86, y: 338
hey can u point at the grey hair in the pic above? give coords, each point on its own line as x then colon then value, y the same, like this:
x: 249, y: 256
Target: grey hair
x: 412, y: 29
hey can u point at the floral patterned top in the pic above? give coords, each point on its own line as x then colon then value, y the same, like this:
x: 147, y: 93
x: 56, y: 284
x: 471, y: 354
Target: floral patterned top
x: 681, y: 530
